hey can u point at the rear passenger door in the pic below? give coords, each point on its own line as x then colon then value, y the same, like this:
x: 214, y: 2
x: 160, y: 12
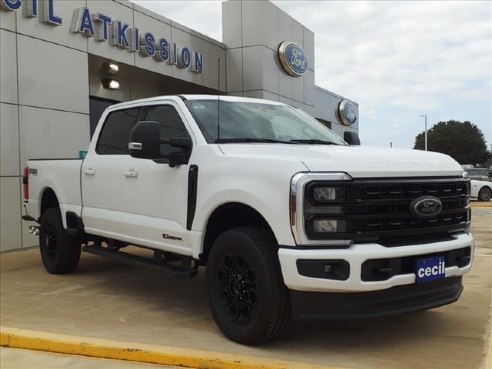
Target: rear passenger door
x: 156, y: 196
x: 103, y: 173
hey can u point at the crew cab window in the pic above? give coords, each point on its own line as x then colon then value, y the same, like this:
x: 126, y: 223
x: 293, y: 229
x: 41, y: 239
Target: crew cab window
x: 170, y: 123
x: 115, y: 133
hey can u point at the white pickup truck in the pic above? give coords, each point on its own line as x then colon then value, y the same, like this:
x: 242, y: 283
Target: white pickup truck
x: 289, y: 220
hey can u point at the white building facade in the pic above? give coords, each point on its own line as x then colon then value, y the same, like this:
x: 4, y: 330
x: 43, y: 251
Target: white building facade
x: 63, y: 62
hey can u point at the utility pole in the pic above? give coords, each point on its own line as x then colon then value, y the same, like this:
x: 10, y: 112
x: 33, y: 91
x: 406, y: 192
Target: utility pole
x: 425, y: 116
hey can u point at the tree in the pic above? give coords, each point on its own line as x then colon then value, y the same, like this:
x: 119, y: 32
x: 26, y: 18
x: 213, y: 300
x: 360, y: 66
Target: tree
x: 463, y: 141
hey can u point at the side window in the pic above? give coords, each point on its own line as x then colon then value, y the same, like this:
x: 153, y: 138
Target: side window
x: 115, y: 133
x: 169, y: 121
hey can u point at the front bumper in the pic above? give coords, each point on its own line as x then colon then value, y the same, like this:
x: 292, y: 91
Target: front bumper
x: 360, y: 305
x: 356, y: 255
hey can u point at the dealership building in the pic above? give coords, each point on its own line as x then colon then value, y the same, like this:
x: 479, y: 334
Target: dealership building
x: 63, y: 62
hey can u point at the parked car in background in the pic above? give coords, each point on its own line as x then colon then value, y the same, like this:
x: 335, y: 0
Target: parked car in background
x: 481, y: 190
x: 479, y: 174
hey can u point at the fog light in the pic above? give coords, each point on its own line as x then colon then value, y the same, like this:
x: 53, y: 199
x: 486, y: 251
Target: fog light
x: 327, y: 194
x: 329, y: 225
x: 326, y: 269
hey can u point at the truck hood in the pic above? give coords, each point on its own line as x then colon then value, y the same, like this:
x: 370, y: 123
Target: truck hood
x: 357, y: 161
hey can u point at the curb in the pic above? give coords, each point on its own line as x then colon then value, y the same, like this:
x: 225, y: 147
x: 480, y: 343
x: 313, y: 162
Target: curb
x: 139, y: 352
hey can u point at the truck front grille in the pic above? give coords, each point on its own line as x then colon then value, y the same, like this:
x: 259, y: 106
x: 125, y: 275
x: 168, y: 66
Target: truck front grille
x: 379, y: 210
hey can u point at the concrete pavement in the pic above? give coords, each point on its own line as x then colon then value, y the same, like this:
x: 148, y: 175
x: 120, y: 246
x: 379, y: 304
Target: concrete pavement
x: 117, y: 302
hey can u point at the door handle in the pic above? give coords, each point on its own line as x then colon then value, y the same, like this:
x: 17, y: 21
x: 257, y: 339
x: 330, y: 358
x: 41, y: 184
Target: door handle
x: 89, y: 172
x: 131, y: 173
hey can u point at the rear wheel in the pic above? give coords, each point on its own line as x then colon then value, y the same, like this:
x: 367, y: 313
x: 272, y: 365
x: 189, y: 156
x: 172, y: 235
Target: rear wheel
x: 248, y: 298
x: 484, y: 194
x: 59, y: 251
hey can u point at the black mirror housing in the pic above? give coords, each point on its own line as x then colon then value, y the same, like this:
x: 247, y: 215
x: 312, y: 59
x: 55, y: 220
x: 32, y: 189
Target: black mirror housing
x: 145, y: 142
x: 178, y: 158
x: 351, y: 138
x: 183, y: 142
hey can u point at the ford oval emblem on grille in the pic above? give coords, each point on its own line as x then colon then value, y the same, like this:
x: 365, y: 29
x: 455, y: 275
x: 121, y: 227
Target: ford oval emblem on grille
x: 426, y: 207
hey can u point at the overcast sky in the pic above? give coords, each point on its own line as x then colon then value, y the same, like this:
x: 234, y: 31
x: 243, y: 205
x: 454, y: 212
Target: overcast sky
x: 398, y: 60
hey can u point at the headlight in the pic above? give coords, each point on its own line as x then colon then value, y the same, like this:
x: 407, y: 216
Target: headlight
x: 317, y: 203
x: 328, y: 194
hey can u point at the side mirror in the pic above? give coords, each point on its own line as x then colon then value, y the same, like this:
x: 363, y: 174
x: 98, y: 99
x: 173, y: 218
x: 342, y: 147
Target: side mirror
x: 184, y: 142
x: 351, y: 138
x: 145, y: 142
x: 179, y: 157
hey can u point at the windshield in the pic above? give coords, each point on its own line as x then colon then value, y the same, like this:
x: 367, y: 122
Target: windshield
x: 258, y: 122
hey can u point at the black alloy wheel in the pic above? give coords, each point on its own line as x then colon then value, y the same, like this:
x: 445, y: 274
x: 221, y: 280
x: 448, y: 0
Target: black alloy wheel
x: 60, y: 252
x: 238, y: 294
x: 248, y: 298
x: 50, y: 243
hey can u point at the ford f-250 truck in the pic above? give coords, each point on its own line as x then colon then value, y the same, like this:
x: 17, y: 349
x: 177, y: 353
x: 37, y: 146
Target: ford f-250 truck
x: 288, y: 219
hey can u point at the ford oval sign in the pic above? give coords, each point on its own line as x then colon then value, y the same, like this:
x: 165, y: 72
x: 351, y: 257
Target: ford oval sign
x: 426, y: 207
x: 347, y: 112
x: 292, y: 58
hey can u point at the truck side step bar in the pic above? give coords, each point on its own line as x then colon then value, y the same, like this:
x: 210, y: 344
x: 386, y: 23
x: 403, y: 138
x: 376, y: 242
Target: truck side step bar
x: 188, y: 269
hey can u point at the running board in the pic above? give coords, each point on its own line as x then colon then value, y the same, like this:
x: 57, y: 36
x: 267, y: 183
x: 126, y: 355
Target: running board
x: 175, y: 271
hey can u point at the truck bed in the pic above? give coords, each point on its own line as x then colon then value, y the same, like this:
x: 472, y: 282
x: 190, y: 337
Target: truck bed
x: 62, y: 176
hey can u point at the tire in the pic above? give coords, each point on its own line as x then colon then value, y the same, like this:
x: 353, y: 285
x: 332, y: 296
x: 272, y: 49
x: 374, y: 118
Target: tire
x: 484, y: 194
x: 59, y: 251
x: 248, y: 298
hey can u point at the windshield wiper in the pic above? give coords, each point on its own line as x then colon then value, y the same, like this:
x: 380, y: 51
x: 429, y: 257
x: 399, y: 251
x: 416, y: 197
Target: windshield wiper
x: 313, y: 141
x: 261, y: 140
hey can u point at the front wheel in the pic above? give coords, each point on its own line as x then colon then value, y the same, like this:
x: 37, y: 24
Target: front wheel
x: 248, y: 298
x: 484, y: 194
x: 60, y: 252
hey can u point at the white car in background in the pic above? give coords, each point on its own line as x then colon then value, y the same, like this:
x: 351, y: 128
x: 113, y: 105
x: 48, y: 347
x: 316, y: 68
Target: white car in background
x: 481, y: 190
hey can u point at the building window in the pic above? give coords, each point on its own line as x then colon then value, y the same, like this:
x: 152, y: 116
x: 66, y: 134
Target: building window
x: 96, y: 109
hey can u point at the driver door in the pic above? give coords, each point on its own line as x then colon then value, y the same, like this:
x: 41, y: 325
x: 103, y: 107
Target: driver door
x: 156, y: 195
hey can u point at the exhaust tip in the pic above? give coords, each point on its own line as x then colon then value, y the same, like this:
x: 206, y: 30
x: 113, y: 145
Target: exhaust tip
x: 34, y: 230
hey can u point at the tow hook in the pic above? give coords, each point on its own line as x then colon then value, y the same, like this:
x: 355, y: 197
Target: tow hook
x: 34, y: 230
